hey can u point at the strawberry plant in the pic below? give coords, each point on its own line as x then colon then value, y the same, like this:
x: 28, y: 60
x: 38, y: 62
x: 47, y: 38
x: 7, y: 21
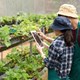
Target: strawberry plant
x: 21, y: 25
x: 4, y: 36
x: 24, y: 28
x: 45, y: 21
x: 29, y: 65
x: 16, y: 74
x: 2, y: 67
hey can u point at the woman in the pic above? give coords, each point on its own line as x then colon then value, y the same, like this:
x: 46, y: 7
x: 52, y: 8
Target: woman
x: 60, y: 52
x: 70, y: 12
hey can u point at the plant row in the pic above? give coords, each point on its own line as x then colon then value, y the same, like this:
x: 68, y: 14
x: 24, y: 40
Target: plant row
x: 21, y: 65
x: 21, y: 25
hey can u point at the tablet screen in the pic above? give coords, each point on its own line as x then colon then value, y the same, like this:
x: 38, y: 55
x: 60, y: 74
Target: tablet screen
x: 37, y: 38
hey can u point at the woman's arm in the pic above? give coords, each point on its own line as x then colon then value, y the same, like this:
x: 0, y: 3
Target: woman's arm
x: 42, y: 55
x: 39, y: 48
x: 48, y: 39
x: 45, y: 45
x: 48, y: 61
x: 45, y: 37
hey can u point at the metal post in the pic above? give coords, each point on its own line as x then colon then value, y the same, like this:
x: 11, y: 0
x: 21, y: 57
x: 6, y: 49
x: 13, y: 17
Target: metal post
x: 1, y: 56
x: 21, y: 47
x: 30, y: 47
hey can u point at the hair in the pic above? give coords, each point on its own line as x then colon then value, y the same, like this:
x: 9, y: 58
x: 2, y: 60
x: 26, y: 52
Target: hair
x: 68, y: 37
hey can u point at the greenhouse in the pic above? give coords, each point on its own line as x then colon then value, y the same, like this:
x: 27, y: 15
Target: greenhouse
x: 30, y: 45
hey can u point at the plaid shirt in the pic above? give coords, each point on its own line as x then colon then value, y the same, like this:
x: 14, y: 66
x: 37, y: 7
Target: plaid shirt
x: 60, y: 57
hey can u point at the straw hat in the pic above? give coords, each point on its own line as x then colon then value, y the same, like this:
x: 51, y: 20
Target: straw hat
x: 68, y: 10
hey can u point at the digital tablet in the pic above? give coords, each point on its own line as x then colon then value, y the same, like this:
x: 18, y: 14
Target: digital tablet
x: 37, y: 38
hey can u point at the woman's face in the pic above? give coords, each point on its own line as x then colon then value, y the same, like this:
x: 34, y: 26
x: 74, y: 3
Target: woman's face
x: 74, y: 22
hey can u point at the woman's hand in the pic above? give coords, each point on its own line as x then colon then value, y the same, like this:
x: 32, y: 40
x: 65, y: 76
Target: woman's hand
x: 42, y: 35
x: 39, y: 48
x: 45, y: 37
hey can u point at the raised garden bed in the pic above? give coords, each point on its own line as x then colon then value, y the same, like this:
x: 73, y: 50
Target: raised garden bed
x: 14, y: 42
x: 30, y: 65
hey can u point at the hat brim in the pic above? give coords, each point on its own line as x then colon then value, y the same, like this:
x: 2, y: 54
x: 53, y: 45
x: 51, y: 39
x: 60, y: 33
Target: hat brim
x: 67, y: 14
